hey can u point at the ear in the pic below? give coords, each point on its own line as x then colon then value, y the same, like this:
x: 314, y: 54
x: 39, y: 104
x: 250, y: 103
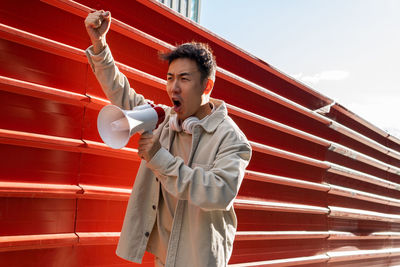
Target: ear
x: 209, y: 87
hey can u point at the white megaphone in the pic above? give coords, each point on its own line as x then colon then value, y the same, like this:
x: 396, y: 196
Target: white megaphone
x: 116, y: 125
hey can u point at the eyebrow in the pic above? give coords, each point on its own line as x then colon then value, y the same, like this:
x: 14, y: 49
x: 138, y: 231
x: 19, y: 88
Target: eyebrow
x: 180, y: 74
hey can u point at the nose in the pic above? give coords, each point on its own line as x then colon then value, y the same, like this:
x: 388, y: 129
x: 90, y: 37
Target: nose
x: 174, y: 87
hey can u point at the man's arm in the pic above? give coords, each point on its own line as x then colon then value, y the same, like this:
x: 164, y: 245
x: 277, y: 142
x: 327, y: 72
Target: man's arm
x: 114, y: 84
x: 213, y: 189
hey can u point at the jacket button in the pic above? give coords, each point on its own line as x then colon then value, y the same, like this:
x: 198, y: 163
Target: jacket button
x: 154, y: 207
x: 147, y: 234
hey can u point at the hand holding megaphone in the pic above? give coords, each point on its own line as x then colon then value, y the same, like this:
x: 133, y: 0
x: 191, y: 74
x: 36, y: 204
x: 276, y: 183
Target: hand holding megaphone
x: 116, y: 125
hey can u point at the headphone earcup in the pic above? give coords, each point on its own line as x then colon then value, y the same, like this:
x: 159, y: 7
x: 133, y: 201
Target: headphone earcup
x: 189, y: 123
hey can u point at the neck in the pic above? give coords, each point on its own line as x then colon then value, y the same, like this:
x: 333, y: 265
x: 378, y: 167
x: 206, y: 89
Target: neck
x: 203, y: 110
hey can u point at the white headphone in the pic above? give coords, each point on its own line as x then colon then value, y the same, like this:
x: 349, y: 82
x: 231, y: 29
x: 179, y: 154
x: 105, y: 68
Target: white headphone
x: 187, y: 125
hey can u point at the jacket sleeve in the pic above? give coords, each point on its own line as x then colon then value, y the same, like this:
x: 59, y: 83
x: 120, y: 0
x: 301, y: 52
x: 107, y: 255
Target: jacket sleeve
x: 213, y: 189
x: 115, y: 85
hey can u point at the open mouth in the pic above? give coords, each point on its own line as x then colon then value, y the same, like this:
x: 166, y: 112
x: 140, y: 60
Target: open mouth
x: 177, y: 105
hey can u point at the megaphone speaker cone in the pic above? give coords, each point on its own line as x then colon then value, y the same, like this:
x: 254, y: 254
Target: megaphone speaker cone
x: 108, y: 117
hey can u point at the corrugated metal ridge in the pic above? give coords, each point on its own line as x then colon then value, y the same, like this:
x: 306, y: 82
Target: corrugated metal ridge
x: 278, y: 206
x: 42, y: 43
x: 338, y: 235
x: 357, y: 214
x: 274, y: 235
x: 42, y: 91
x: 98, y: 238
x: 355, y: 155
x: 331, y: 235
x: 99, y: 148
x: 19, y: 138
x: 159, y: 83
x: 364, y: 122
x: 255, y: 88
x: 330, y: 256
x: 321, y: 258
x: 288, y: 155
x: 142, y: 76
x: 270, y: 178
x: 361, y: 195
x: 41, y: 241
x: 19, y: 189
x: 104, y: 193
x: 25, y: 242
x: 361, y: 176
x: 363, y: 139
x: 46, y: 190
x: 352, y: 255
x: 394, y: 139
x: 248, y: 115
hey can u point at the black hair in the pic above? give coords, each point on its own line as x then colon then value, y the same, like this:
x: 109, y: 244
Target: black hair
x: 201, y: 53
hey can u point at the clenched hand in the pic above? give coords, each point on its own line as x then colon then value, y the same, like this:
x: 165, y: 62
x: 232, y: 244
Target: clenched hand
x: 148, y: 146
x: 97, y: 25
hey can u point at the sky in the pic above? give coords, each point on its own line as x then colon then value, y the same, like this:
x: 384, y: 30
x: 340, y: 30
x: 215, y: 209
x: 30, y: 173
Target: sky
x: 348, y: 50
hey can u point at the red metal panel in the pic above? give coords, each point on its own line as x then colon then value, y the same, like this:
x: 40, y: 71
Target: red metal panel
x: 28, y: 216
x: 321, y: 190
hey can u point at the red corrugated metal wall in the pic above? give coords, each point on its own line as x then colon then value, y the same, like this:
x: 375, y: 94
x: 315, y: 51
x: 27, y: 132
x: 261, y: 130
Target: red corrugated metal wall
x: 322, y: 188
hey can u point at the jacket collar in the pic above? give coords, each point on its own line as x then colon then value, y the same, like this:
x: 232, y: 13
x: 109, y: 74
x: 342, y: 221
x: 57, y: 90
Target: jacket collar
x: 211, y: 122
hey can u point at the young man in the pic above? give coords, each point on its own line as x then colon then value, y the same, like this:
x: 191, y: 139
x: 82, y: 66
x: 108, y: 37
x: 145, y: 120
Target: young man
x: 181, y: 206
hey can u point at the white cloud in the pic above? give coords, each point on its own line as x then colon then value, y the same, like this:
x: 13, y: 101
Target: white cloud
x: 330, y: 75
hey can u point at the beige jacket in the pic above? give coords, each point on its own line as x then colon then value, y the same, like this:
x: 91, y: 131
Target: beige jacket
x: 204, y: 223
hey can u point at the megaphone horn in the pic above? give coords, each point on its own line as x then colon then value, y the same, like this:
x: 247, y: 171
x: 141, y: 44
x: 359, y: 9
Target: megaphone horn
x: 116, y: 125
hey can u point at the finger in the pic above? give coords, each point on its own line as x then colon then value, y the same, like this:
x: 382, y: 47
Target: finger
x: 105, y: 14
x: 96, y: 18
x: 93, y: 21
x: 147, y: 135
x: 145, y: 139
x: 140, y: 154
x: 145, y: 144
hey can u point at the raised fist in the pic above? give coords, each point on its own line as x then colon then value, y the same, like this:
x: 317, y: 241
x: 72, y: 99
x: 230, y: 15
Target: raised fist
x: 97, y: 25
